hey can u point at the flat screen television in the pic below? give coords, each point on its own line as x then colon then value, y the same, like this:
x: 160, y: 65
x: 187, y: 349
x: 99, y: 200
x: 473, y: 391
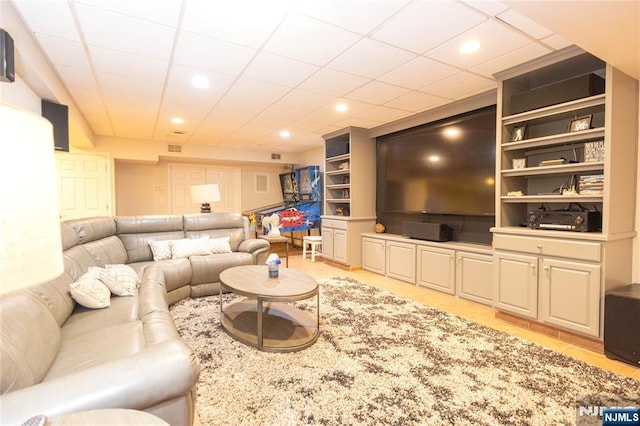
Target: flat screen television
x: 443, y: 167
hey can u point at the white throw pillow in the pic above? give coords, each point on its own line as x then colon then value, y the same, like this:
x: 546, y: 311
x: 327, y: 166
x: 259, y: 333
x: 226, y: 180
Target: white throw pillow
x: 161, y: 249
x: 122, y: 280
x: 91, y: 293
x: 190, y: 247
x: 219, y: 245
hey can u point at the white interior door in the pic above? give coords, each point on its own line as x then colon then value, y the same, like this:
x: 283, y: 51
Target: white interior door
x: 84, y: 188
x: 181, y: 177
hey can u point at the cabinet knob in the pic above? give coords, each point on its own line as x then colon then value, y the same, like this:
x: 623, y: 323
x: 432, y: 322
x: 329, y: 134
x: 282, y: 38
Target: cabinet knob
x: 539, y: 246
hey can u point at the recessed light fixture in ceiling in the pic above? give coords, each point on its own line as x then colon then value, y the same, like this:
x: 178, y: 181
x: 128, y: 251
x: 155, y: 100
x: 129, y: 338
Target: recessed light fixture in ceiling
x: 285, y: 134
x: 451, y: 132
x: 200, y: 81
x: 469, y: 46
x: 177, y: 120
x: 341, y: 107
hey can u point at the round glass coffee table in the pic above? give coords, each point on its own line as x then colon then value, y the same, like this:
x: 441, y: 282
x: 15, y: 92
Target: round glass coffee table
x: 267, y: 318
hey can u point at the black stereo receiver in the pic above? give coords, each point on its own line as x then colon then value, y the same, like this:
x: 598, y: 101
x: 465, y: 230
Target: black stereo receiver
x: 427, y: 231
x: 564, y: 220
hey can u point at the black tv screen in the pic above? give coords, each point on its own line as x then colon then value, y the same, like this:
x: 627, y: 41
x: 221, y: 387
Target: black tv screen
x: 444, y: 167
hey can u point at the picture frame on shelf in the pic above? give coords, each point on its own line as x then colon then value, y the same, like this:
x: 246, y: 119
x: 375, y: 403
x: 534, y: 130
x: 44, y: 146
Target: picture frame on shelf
x: 579, y: 124
x: 518, y: 133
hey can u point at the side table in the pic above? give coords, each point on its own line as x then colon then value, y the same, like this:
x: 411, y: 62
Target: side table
x: 277, y: 239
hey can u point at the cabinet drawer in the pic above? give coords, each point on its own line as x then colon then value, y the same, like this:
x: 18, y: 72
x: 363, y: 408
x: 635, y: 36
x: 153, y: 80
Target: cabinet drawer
x: 582, y: 250
x: 333, y: 223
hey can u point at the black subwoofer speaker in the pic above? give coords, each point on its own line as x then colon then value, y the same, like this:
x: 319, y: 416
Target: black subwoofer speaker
x: 622, y: 324
x: 427, y: 231
x: 7, y: 64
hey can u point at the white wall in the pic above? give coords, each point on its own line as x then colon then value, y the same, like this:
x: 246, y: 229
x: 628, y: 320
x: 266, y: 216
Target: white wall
x: 636, y: 242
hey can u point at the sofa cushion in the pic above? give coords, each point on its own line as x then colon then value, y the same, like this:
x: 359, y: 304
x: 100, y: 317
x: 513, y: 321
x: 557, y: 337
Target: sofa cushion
x: 93, y: 228
x: 217, y: 225
x: 190, y: 247
x: 207, y: 269
x: 161, y: 249
x: 90, y: 293
x: 101, y: 346
x: 219, y: 245
x: 135, y: 232
x: 85, y: 320
x: 30, y: 338
x: 122, y: 280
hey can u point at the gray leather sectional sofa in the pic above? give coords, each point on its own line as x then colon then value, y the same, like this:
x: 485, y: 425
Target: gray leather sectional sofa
x: 58, y: 357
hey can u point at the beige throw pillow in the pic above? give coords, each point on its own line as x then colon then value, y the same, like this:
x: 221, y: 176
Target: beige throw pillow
x: 122, y: 280
x: 219, y: 245
x: 190, y: 247
x: 161, y: 249
x: 90, y: 293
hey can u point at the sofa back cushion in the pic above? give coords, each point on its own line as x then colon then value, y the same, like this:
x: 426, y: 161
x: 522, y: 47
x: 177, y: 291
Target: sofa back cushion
x: 92, y: 228
x: 216, y: 225
x: 135, y: 232
x: 107, y: 251
x: 30, y: 338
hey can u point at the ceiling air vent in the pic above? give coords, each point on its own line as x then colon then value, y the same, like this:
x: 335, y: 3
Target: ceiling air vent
x: 275, y: 156
x: 175, y: 148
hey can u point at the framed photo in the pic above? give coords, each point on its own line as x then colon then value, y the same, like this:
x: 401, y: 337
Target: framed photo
x: 580, y: 123
x: 518, y: 133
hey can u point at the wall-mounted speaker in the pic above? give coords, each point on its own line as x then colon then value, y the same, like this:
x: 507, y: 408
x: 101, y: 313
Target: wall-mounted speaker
x: 58, y: 115
x: 7, y: 63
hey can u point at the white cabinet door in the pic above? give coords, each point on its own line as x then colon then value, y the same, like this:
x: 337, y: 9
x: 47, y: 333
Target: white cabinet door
x: 373, y: 255
x: 340, y: 246
x: 474, y: 279
x: 437, y: 269
x: 327, y: 243
x: 515, y: 278
x: 571, y: 295
x: 401, y: 261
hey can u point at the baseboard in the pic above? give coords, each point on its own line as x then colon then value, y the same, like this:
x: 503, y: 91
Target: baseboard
x: 576, y: 339
x: 342, y: 266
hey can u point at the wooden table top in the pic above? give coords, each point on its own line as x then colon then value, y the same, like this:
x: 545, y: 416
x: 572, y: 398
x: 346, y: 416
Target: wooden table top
x: 254, y: 281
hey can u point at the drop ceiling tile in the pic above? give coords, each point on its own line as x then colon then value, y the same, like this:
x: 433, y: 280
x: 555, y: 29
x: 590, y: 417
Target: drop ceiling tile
x: 219, y: 19
x: 351, y: 15
x: 524, y: 24
x: 519, y: 56
x: 335, y: 83
x: 369, y: 58
x: 251, y: 133
x: 165, y: 12
x: 64, y: 52
x: 181, y: 90
x: 257, y: 91
x: 49, y: 17
x: 209, y: 54
x: 84, y: 96
x: 116, y: 85
x: 191, y: 114
x: 75, y: 77
x: 417, y: 102
x: 460, y: 86
x: 489, y: 7
x: 556, y: 42
x: 383, y: 114
x: 278, y: 70
x: 377, y: 93
x: 125, y: 64
x: 423, y: 25
x: 419, y: 73
x: 111, y: 30
x: 297, y: 38
x: 302, y: 99
x: 496, y: 39
x: 354, y: 107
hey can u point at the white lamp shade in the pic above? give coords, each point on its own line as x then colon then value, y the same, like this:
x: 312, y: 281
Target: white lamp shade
x: 209, y: 193
x: 30, y: 242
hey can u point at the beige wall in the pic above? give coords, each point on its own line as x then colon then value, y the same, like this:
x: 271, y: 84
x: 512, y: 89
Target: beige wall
x: 143, y: 187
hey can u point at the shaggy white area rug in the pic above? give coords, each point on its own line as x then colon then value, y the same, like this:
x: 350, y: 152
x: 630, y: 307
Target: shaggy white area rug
x: 382, y: 359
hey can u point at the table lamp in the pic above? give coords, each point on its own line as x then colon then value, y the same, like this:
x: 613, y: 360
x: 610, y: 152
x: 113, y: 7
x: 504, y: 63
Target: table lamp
x: 205, y: 194
x: 30, y: 242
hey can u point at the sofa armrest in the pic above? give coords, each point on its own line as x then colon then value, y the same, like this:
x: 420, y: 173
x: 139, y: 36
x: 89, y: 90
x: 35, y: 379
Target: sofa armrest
x: 156, y: 374
x: 258, y: 248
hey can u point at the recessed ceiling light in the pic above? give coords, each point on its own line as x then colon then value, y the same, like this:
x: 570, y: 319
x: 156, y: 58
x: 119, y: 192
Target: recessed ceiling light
x: 469, y: 46
x: 177, y: 120
x: 200, y: 81
x: 285, y: 134
x: 341, y: 107
x: 451, y: 132
x: 434, y: 158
